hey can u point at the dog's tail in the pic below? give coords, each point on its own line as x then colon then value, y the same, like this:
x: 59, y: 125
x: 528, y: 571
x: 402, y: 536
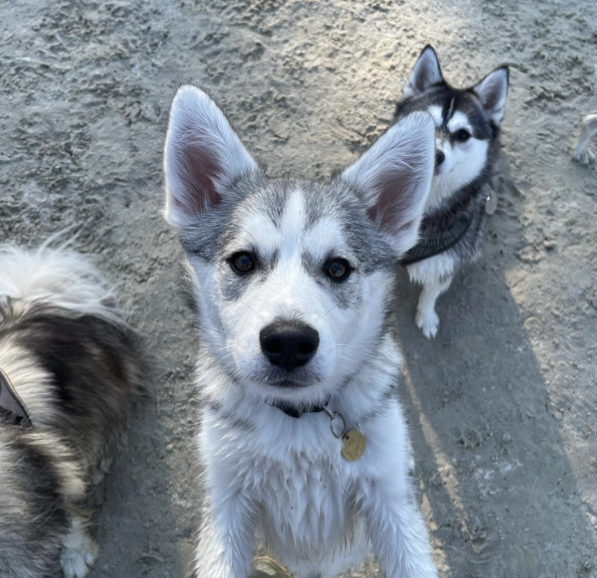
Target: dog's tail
x: 56, y: 276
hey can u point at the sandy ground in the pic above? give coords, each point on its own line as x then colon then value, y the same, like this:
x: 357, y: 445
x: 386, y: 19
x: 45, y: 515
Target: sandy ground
x: 502, y: 405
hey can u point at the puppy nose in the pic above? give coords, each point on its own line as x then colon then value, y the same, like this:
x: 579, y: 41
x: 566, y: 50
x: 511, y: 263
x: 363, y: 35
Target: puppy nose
x: 440, y: 157
x: 289, y: 344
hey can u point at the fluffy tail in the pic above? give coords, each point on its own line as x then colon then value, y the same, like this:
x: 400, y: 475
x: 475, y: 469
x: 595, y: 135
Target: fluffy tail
x: 57, y: 276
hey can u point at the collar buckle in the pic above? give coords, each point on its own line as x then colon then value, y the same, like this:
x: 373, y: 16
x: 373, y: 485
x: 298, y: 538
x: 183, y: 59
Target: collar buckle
x: 11, y: 403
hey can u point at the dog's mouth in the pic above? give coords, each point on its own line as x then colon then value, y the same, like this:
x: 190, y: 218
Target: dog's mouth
x: 288, y: 380
x: 273, y: 378
x: 288, y: 383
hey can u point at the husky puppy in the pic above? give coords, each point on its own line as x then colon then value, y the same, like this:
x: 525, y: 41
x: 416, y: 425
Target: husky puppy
x: 467, y: 129
x: 68, y: 375
x: 302, y: 439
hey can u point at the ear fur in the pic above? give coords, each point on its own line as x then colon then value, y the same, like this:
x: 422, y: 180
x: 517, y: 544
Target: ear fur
x: 493, y: 91
x: 395, y: 176
x: 201, y: 154
x: 426, y: 73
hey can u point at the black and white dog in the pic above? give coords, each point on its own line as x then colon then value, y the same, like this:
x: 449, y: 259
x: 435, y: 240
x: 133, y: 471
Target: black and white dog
x: 302, y: 440
x: 68, y: 375
x: 467, y: 145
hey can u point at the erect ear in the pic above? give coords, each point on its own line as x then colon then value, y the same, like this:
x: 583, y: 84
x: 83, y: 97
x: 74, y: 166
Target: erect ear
x: 201, y: 155
x: 395, y: 176
x: 425, y: 74
x: 492, y: 92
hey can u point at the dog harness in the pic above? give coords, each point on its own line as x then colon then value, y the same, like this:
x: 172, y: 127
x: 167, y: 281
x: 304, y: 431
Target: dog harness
x: 11, y: 404
x: 432, y: 246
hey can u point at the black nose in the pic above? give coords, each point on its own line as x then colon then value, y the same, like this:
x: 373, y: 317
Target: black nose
x: 440, y: 157
x: 289, y: 344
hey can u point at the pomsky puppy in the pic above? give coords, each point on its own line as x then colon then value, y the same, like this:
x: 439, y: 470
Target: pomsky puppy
x: 68, y: 374
x: 302, y: 439
x: 467, y: 146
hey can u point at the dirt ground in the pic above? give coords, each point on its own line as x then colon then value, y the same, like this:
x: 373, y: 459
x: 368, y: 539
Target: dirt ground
x: 502, y: 404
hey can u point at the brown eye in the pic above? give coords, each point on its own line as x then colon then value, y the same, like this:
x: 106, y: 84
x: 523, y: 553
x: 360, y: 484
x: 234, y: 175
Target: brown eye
x: 242, y: 263
x: 462, y: 135
x: 337, y: 269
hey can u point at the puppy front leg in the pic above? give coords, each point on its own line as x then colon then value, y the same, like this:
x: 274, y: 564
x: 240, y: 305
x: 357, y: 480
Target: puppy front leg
x: 79, y: 550
x: 226, y: 538
x: 427, y: 318
x: 398, y: 532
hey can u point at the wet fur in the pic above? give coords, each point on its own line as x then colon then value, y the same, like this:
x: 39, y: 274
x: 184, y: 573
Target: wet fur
x: 74, y: 362
x: 267, y: 475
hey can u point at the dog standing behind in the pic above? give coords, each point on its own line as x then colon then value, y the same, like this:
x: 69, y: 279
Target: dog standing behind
x: 70, y: 373
x: 467, y: 146
x: 302, y: 436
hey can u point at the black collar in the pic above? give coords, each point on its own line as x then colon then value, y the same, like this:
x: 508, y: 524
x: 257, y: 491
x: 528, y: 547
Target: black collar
x: 292, y: 411
x: 444, y: 240
x: 11, y: 403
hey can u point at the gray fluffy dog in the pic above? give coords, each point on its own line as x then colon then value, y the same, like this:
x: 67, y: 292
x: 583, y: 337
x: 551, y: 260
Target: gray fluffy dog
x: 69, y: 374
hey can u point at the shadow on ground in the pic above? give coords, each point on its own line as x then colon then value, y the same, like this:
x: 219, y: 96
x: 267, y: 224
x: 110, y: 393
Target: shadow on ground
x: 491, y: 460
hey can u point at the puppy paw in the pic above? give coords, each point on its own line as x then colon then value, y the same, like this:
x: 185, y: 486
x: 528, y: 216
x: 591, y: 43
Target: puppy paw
x: 79, y: 552
x: 584, y: 157
x: 428, y: 323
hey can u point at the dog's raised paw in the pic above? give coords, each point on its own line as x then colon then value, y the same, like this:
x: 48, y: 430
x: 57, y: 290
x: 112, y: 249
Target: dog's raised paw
x: 79, y: 552
x: 428, y: 323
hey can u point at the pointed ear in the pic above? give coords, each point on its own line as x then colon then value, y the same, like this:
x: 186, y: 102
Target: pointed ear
x: 425, y: 74
x: 492, y: 92
x: 201, y: 155
x: 395, y: 176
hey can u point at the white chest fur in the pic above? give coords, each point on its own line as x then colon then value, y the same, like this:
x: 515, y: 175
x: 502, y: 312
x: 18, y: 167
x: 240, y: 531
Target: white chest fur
x: 309, y: 518
x: 286, y: 479
x: 305, y: 492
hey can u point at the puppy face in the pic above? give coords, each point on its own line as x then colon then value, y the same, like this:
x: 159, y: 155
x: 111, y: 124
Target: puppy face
x: 294, y: 287
x: 466, y: 121
x: 292, y: 278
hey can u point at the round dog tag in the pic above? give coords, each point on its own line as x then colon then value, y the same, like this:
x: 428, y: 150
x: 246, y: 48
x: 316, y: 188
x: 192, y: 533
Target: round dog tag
x: 353, y: 445
x: 491, y: 204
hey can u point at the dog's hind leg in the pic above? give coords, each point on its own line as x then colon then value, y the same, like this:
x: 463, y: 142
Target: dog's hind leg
x: 79, y: 551
x: 427, y: 318
x: 582, y: 153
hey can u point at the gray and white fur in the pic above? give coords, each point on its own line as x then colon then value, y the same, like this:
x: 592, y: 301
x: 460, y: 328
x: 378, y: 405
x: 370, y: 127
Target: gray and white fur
x: 467, y: 125
x: 73, y: 362
x: 294, y: 285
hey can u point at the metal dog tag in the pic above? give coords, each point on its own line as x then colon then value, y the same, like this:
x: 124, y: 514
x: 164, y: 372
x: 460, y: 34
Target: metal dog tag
x: 491, y: 203
x: 353, y: 441
x: 353, y: 445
